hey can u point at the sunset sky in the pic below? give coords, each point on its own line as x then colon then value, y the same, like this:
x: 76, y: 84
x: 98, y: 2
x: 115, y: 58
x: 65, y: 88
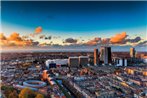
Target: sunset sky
x: 74, y: 24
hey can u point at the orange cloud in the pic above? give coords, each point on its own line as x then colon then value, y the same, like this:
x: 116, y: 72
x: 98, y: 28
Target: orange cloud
x: 25, y: 37
x: 4, y: 43
x: 15, y: 40
x: 105, y: 41
x: 118, y: 38
x: 2, y: 36
x: 15, y: 37
x: 32, y: 35
x: 95, y: 41
x: 3, y: 40
x: 44, y: 44
x: 38, y: 30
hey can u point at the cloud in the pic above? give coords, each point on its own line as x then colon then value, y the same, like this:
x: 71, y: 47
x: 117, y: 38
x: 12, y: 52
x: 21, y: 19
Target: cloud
x: 45, y: 37
x: 38, y: 30
x: 105, y: 41
x: 48, y: 38
x: 94, y: 41
x: 42, y: 36
x: 16, y: 40
x: 25, y: 37
x: 3, y: 43
x: 56, y: 37
x: 14, y: 37
x: 31, y: 42
x: 3, y: 40
x: 98, y: 41
x: 144, y: 43
x: 51, y: 44
x: 56, y: 45
x: 2, y: 36
x: 70, y: 40
x: 44, y: 44
x: 118, y: 38
x: 135, y: 40
x: 32, y: 35
x: 130, y: 41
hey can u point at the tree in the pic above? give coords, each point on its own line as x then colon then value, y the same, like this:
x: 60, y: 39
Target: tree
x: 39, y: 96
x: 27, y: 93
x: 9, y: 92
x: 13, y: 94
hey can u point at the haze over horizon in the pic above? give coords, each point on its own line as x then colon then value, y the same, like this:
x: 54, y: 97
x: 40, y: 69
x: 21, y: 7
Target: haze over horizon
x: 73, y: 25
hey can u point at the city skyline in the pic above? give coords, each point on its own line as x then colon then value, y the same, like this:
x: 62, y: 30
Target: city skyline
x: 73, y: 25
x: 76, y: 49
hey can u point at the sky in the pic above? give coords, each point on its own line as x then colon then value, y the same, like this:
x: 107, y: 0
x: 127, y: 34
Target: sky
x: 73, y: 24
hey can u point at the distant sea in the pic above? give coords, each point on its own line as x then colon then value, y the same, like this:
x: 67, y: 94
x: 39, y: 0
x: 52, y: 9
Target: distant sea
x: 66, y: 50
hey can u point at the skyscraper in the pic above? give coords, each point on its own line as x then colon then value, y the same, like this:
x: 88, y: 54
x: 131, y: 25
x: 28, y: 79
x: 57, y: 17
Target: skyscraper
x: 96, y: 57
x: 132, y: 52
x: 105, y: 55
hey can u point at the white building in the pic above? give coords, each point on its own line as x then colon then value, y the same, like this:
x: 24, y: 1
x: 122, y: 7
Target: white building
x: 56, y: 62
x: 144, y: 58
x: 120, y: 61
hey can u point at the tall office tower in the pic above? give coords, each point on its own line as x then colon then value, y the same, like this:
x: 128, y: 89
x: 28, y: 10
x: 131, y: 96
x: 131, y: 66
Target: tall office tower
x: 105, y: 55
x: 132, y: 52
x: 102, y: 54
x: 96, y: 57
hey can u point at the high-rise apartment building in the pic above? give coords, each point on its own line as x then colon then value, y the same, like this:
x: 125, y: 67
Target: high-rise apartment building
x: 132, y: 52
x: 105, y: 55
x: 96, y: 57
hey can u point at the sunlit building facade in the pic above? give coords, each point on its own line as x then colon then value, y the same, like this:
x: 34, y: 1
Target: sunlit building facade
x: 132, y: 52
x: 105, y: 55
x: 96, y: 57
